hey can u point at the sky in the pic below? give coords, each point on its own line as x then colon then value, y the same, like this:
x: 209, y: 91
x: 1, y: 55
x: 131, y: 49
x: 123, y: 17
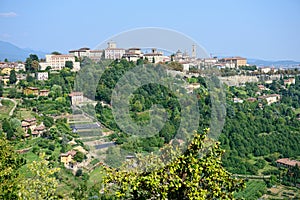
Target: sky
x: 261, y: 29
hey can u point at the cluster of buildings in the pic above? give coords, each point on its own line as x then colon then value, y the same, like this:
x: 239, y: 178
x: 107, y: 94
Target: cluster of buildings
x: 35, y: 91
x: 31, y: 124
x: 6, y: 67
x: 68, y: 158
x: 58, y: 62
x: 113, y: 52
x: 154, y: 56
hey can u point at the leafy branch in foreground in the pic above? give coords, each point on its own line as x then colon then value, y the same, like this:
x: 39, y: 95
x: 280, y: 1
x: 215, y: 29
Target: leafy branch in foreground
x: 42, y: 184
x: 196, y: 174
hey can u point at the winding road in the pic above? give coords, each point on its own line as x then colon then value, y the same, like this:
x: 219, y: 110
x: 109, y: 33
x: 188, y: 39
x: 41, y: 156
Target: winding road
x: 13, y: 109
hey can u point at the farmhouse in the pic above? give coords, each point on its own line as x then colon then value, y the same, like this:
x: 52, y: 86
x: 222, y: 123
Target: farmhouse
x: 286, y: 162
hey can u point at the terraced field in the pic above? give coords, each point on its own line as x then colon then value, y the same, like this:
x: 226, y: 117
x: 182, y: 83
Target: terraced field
x: 90, y: 133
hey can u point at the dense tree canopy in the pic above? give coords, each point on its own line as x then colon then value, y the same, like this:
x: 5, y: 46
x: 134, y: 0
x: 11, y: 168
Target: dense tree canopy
x: 196, y: 174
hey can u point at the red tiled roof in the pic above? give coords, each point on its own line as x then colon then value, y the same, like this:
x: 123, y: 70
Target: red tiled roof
x: 287, y: 161
x: 76, y: 94
x: 25, y: 124
x: 29, y: 120
x: 40, y: 128
x: 35, y: 133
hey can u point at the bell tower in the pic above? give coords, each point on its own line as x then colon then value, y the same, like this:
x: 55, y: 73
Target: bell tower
x: 193, y: 51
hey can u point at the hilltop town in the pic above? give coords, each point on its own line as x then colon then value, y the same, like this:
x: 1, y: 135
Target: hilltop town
x: 42, y: 112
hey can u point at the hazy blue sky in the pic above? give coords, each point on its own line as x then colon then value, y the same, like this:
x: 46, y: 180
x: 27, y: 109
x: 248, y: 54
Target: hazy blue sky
x: 254, y: 29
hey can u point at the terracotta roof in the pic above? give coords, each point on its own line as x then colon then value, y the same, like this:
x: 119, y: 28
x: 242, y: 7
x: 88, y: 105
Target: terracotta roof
x: 71, y: 153
x: 40, y: 128
x: 269, y: 95
x: 29, y: 120
x: 32, y: 88
x: 76, y: 94
x: 25, y: 124
x: 44, y: 90
x: 35, y: 133
x: 251, y: 99
x: 287, y: 161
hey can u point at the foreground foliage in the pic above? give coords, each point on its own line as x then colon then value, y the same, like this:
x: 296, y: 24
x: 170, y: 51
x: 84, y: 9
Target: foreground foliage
x: 10, y: 162
x: 196, y: 174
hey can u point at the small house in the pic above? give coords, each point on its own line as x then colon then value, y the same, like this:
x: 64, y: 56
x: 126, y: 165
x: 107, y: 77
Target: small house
x: 44, y: 93
x: 31, y: 91
x: 76, y: 98
x: 67, y: 157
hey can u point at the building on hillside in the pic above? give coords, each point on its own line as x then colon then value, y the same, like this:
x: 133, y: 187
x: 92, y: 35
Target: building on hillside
x: 25, y: 125
x: 210, y: 61
x: 237, y: 100
x: 234, y: 61
x: 289, y: 81
x: 58, y: 62
x: 38, y: 130
x: 271, y: 98
x: 44, y: 93
x: 67, y: 157
x: 20, y: 67
x: 262, y: 87
x: 133, y: 54
x: 95, y: 55
x: 265, y: 70
x: 31, y: 91
x: 155, y: 56
x: 41, y: 76
x: 112, y: 52
x: 29, y: 123
x: 251, y: 99
x: 4, y: 79
x: 178, y: 55
x: 76, y: 98
x: 6, y: 67
x: 286, y: 162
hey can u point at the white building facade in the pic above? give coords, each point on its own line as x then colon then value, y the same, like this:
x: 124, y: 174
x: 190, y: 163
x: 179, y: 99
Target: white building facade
x: 58, y: 62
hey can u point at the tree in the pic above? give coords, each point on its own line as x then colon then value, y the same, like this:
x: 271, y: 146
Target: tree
x: 12, y: 92
x: 5, y: 60
x: 55, y: 53
x: 48, y: 68
x: 29, y: 60
x: 69, y: 64
x: 12, y: 77
x: 48, y: 121
x: 10, y: 162
x: 79, y: 156
x: 79, y: 172
x: 189, y: 176
x: 42, y: 184
x: 153, y: 59
x: 35, y: 65
x: 1, y: 89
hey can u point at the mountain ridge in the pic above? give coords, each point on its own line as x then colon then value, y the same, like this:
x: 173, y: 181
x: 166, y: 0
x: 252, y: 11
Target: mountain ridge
x: 14, y: 53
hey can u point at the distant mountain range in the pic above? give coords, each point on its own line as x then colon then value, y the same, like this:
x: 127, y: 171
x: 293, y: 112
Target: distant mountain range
x: 280, y: 63
x: 14, y: 53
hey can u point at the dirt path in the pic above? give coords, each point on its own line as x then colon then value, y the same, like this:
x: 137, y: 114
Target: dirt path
x: 13, y: 109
